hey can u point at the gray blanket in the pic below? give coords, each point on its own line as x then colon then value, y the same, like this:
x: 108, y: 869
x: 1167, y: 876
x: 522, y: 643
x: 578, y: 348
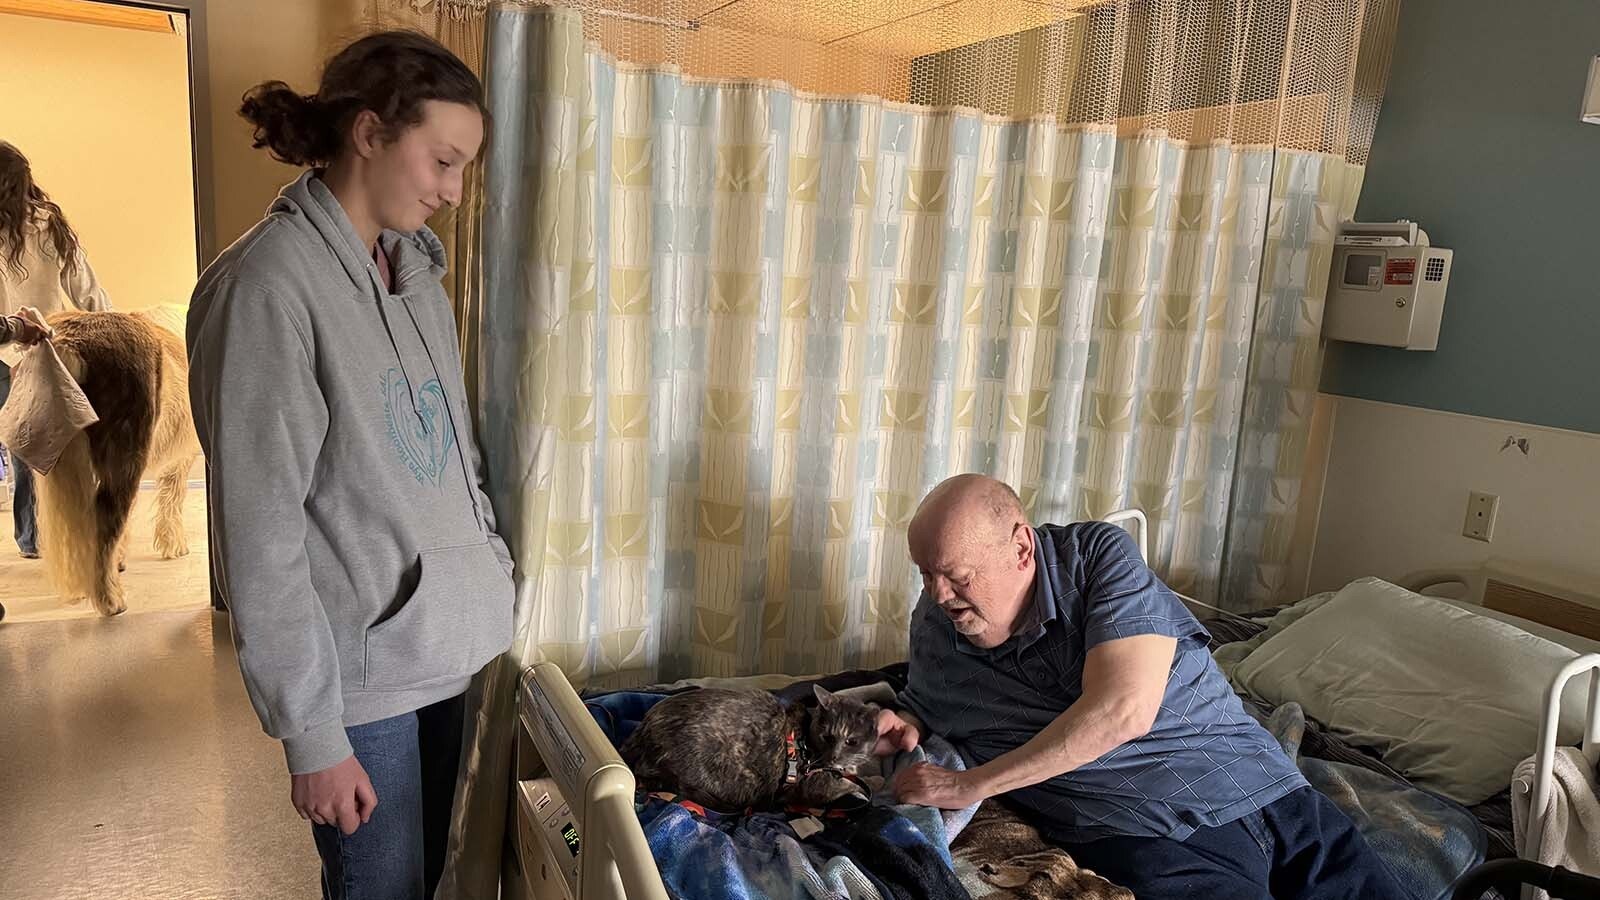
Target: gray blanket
x: 1427, y: 840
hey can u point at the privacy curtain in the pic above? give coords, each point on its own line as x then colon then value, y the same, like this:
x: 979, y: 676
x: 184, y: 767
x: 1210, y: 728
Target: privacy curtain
x: 724, y: 332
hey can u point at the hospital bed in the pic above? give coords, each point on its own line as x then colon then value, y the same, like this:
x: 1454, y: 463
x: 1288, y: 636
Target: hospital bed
x: 576, y: 835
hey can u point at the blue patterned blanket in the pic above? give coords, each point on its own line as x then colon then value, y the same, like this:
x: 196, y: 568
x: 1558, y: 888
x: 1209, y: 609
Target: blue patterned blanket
x: 792, y: 856
x: 1427, y: 840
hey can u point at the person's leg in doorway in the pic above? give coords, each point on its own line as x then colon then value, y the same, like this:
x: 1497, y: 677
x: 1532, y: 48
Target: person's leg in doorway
x: 24, y: 505
x: 25, y: 513
x: 439, y: 732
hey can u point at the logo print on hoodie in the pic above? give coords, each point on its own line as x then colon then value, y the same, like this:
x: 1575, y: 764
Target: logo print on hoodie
x: 420, y: 430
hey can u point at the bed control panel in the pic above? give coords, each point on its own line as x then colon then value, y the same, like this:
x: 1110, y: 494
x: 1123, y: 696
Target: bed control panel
x: 576, y: 832
x: 547, y: 840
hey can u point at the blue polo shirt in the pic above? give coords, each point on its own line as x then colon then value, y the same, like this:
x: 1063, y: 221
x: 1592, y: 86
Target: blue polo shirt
x: 1205, y: 761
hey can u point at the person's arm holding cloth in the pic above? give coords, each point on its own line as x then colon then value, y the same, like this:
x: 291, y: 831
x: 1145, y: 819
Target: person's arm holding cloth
x: 26, y: 327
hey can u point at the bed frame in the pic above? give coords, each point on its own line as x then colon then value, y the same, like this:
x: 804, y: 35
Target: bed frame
x: 1558, y: 608
x: 1528, y: 596
x: 561, y: 749
x: 558, y: 739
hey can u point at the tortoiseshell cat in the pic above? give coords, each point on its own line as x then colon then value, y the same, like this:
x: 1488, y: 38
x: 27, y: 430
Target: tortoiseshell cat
x: 728, y: 750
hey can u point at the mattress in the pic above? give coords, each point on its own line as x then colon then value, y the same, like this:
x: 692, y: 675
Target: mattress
x: 1000, y: 857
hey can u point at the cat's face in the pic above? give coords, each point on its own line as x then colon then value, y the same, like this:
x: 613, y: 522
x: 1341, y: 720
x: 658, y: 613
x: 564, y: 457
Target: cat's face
x: 842, y: 733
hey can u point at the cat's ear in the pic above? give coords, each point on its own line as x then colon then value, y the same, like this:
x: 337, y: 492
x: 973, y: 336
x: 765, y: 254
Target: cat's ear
x: 823, y: 696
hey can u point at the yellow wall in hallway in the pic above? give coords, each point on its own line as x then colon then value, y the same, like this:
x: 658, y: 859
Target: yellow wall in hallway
x: 103, y: 115
x: 250, y: 41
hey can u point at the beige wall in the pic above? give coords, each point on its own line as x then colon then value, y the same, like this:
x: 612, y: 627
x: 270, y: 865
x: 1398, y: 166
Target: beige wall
x: 103, y: 115
x: 1396, y: 495
x: 250, y: 41
x: 247, y: 41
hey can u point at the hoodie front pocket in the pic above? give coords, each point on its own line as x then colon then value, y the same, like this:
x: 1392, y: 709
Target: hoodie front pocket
x: 456, y: 620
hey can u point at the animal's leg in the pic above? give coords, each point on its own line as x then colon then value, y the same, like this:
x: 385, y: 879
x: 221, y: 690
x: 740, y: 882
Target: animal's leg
x: 119, y: 485
x: 172, y: 486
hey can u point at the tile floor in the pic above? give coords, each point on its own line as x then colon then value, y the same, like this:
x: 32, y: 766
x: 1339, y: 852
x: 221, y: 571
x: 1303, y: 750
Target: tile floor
x: 152, y: 583
x: 131, y: 763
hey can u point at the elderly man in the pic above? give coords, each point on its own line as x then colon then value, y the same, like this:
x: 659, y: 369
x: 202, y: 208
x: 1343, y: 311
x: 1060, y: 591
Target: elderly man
x: 1080, y: 688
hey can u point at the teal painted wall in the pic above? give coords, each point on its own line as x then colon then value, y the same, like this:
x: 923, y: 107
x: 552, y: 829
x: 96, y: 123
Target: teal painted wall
x: 1479, y: 142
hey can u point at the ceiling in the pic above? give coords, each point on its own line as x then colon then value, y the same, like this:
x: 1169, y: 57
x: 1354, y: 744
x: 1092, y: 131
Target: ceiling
x: 894, y: 28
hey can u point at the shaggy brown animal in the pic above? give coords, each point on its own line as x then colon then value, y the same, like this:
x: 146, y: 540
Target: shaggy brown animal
x: 133, y: 368
x: 1010, y: 854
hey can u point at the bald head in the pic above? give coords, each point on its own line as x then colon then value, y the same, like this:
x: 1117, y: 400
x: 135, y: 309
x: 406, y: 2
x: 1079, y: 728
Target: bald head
x: 972, y: 543
x: 968, y: 507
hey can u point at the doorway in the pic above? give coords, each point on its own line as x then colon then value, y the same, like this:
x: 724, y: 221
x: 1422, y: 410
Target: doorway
x: 107, y: 100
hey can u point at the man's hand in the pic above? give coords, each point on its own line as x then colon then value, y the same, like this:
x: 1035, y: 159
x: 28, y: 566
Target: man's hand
x: 340, y: 795
x: 895, y: 734
x: 30, y: 327
x: 929, y: 785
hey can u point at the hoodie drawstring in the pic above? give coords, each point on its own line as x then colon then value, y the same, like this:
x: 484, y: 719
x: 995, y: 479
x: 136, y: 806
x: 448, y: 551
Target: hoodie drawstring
x: 449, y: 412
x: 399, y: 358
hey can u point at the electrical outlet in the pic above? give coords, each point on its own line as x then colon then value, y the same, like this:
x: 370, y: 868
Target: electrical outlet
x: 1481, y: 509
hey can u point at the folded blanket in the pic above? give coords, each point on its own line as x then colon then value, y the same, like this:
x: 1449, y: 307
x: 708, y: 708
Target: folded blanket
x: 1569, y: 829
x: 754, y: 857
x: 892, y: 851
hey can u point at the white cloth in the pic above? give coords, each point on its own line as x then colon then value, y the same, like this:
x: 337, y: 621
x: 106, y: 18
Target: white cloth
x: 45, y: 411
x: 1569, y: 831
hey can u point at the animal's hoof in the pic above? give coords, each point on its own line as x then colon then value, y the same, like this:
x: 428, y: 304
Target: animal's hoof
x: 115, y: 604
x: 171, y: 545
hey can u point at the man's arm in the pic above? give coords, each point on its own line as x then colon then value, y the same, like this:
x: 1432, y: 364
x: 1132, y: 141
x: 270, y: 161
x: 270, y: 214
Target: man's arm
x: 1123, y: 684
x: 1124, y: 681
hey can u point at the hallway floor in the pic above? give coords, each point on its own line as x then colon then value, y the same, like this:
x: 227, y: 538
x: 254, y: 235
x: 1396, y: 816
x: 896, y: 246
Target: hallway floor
x: 152, y: 583
x: 132, y: 766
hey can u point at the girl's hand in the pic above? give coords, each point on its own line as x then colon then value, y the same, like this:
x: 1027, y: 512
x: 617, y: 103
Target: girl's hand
x: 30, y: 327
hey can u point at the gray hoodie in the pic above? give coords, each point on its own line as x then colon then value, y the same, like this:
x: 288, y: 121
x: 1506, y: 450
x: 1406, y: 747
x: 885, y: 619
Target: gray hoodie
x: 351, y: 536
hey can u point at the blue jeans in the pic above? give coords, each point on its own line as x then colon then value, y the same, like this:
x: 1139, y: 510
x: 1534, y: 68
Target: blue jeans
x: 24, y: 506
x: 1300, y: 847
x: 399, y: 854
